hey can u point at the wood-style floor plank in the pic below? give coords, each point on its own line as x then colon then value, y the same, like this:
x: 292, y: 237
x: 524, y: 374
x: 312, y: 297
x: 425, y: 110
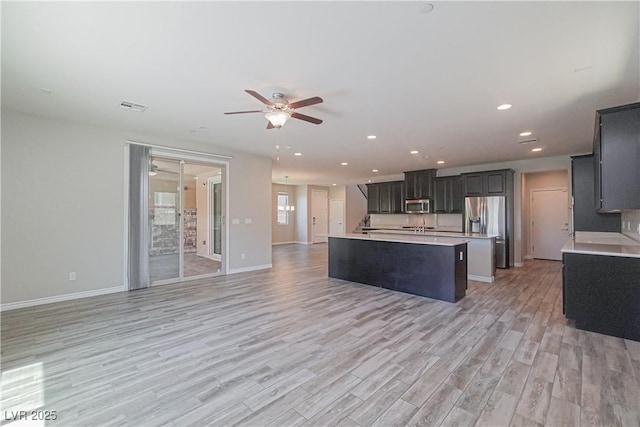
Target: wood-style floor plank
x: 290, y: 346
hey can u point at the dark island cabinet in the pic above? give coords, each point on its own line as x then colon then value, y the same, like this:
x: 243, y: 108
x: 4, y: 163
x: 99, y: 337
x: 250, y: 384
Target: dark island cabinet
x: 601, y: 293
x: 488, y: 183
x: 447, y: 195
x: 385, y: 197
x: 585, y: 217
x: 616, y: 148
x: 419, y: 184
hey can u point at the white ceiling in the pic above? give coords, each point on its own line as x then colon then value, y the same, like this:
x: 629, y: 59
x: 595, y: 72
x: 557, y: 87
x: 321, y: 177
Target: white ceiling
x: 424, y: 81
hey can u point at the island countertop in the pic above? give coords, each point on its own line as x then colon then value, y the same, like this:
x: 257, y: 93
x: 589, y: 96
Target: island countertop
x: 422, y: 239
x: 457, y: 234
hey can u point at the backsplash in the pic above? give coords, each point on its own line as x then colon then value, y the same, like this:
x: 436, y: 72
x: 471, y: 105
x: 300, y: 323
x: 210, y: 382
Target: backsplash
x: 451, y: 222
x: 630, y: 225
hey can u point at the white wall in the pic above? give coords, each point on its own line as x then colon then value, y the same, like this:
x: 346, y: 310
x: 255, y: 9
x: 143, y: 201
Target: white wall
x: 63, y: 191
x: 282, y: 233
x: 355, y: 207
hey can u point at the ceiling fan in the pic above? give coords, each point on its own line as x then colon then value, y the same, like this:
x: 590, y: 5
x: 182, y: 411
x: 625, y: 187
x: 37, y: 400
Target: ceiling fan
x: 279, y: 109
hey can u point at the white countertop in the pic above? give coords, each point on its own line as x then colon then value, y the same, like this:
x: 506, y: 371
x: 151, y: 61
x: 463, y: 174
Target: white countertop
x: 608, y: 244
x: 404, y: 238
x: 434, y: 233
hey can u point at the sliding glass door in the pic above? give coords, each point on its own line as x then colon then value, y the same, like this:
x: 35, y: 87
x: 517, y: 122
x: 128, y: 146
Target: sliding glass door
x: 186, y: 206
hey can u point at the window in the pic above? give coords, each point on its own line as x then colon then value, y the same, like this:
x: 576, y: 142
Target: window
x: 283, y: 208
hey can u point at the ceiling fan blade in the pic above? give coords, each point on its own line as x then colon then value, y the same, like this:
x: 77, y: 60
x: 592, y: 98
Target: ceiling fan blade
x: 306, y: 102
x: 270, y: 125
x: 259, y: 97
x: 306, y: 118
x: 244, y: 112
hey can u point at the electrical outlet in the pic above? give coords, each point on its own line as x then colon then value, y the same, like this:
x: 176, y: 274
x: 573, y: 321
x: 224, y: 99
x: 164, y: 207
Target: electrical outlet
x: 242, y: 256
x: 72, y: 276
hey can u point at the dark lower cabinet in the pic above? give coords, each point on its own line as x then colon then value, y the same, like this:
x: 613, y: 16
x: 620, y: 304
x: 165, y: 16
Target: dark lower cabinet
x: 434, y: 271
x: 602, y: 293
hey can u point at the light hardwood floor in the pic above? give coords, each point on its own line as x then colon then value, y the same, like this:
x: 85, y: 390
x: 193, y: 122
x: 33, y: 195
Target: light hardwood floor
x: 290, y: 346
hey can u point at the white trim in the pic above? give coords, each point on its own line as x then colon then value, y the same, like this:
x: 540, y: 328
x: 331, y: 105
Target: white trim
x: 252, y: 268
x: 180, y: 150
x: 60, y: 298
x: 481, y: 278
x: 283, y: 243
x: 304, y: 243
x: 518, y: 264
x: 125, y: 278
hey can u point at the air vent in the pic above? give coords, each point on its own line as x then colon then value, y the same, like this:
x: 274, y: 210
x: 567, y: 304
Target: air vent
x: 528, y: 141
x: 133, y: 106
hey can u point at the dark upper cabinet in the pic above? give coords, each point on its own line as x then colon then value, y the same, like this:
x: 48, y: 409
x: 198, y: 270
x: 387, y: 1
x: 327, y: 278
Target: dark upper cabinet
x: 419, y: 184
x: 447, y: 195
x: 385, y: 197
x: 616, y: 150
x: 373, y: 198
x: 488, y: 183
x: 585, y: 217
x: 473, y: 184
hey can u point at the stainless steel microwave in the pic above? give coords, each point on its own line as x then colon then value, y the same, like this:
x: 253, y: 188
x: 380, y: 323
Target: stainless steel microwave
x: 417, y: 206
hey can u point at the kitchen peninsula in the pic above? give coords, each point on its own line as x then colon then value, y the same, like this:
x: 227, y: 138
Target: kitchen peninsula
x: 434, y: 267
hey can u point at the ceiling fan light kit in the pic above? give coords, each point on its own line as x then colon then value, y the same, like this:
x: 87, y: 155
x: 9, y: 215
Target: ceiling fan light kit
x: 279, y: 109
x: 277, y: 118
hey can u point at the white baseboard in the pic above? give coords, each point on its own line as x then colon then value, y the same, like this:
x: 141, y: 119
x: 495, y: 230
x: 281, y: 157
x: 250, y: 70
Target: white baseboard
x: 283, y: 243
x: 252, y: 268
x: 304, y: 243
x: 519, y: 264
x: 59, y: 298
x: 481, y: 278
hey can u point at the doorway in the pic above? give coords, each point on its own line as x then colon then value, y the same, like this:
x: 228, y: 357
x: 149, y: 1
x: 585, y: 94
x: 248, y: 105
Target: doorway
x: 186, y: 206
x: 549, y: 222
x: 319, y: 216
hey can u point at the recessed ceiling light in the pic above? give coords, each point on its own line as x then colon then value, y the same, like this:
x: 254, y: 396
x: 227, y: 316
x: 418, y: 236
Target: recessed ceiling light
x: 504, y: 106
x: 527, y: 133
x: 374, y: 170
x: 414, y: 151
x: 368, y: 180
x: 297, y: 154
x: 371, y: 137
x: 45, y: 90
x: 344, y: 163
x: 334, y: 184
x: 440, y: 162
x: 536, y: 149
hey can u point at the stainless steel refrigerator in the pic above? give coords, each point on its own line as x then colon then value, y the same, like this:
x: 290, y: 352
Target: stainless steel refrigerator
x: 488, y: 215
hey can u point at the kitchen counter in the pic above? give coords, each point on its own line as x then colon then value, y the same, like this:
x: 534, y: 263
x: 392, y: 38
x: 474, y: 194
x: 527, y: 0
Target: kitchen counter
x: 404, y: 238
x: 607, y: 244
x: 481, y: 265
x: 435, y: 233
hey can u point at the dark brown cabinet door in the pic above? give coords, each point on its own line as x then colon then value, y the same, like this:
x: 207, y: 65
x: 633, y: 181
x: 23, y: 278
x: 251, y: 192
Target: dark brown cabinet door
x: 473, y: 184
x: 424, y: 183
x: 397, y: 197
x: 618, y: 183
x: 410, y: 187
x: 440, y: 187
x: 385, y: 198
x: 373, y: 198
x: 456, y: 194
x: 496, y: 183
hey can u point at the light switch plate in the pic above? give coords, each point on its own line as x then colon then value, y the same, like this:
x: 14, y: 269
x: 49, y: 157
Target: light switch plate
x: 235, y: 221
x: 248, y: 220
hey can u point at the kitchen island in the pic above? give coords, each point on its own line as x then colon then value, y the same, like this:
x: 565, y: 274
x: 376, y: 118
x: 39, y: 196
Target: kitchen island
x: 434, y: 267
x: 481, y: 264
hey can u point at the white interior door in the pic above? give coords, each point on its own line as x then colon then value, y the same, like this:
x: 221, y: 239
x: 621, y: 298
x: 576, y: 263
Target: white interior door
x: 336, y: 216
x: 549, y: 222
x: 319, y: 216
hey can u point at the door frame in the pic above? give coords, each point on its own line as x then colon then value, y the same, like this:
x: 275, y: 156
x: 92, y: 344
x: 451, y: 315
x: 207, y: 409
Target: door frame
x: 531, y: 228
x: 326, y: 193
x: 211, y: 181
x: 220, y: 161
